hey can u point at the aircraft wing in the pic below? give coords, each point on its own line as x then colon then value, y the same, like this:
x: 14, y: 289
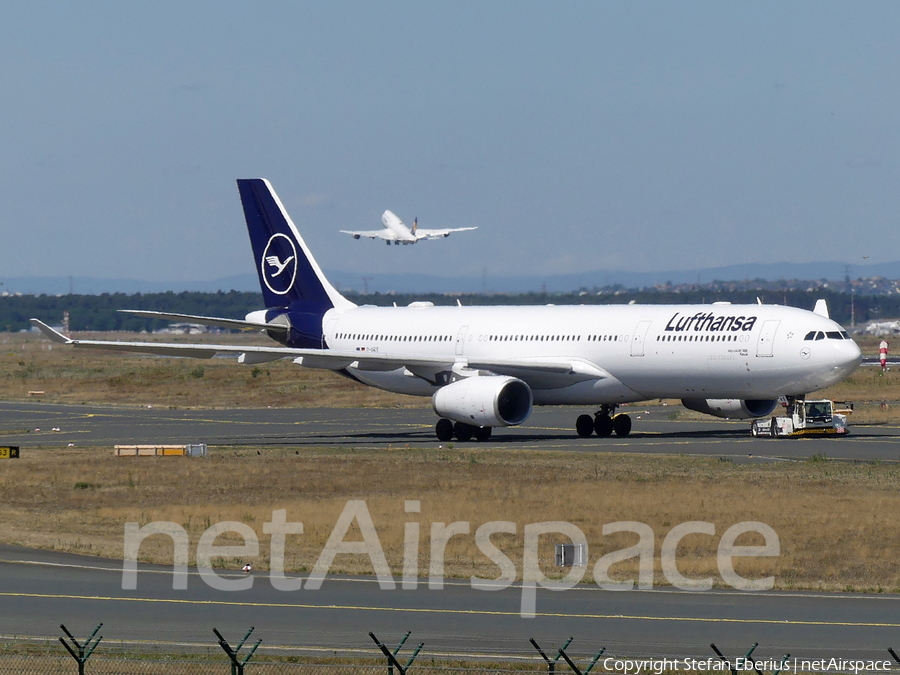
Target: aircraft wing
x: 332, y: 359
x: 206, y: 320
x: 422, y: 233
x: 197, y: 351
x: 372, y: 234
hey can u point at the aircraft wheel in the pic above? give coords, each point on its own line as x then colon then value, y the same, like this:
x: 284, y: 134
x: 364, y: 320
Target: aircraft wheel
x: 482, y: 433
x: 621, y: 424
x: 584, y: 425
x: 443, y: 429
x: 463, y: 432
x: 603, y: 425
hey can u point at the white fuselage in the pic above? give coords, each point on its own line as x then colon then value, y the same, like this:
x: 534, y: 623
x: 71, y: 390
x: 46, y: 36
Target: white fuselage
x: 619, y: 353
x: 397, y: 228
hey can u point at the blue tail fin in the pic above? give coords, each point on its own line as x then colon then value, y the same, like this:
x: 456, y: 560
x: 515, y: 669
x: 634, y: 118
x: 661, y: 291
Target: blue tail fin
x: 288, y: 274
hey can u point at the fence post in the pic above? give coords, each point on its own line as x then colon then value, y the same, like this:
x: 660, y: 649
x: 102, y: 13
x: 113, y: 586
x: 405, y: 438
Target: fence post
x: 572, y: 665
x: 749, y: 657
x: 894, y: 654
x: 783, y: 664
x: 84, y: 650
x: 237, y: 666
x: 551, y: 665
x: 392, y: 656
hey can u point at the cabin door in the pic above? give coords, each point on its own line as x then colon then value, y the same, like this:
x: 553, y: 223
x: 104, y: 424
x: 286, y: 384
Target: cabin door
x: 640, y: 335
x: 330, y: 329
x: 461, y: 340
x: 767, y: 337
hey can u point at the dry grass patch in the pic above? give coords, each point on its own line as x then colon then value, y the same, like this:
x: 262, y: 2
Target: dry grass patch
x: 66, y: 375
x: 836, y: 521
x: 29, y: 362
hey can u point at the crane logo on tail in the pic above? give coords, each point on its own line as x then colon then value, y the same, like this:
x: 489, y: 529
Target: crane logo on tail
x: 276, y: 263
x: 278, y: 267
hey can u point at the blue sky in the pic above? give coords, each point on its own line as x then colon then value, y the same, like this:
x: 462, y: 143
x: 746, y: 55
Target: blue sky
x: 577, y: 136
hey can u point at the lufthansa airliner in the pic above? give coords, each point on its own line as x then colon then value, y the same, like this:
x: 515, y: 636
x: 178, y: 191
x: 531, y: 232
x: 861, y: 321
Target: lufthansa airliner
x: 486, y: 367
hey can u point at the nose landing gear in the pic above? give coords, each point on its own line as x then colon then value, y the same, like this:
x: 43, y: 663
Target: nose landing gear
x: 604, y: 423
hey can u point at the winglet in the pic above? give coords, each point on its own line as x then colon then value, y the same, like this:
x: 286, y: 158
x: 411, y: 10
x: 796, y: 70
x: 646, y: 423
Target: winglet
x: 54, y: 335
x: 821, y: 308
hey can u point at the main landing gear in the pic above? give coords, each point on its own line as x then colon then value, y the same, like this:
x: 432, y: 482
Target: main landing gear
x: 604, y: 423
x: 446, y: 430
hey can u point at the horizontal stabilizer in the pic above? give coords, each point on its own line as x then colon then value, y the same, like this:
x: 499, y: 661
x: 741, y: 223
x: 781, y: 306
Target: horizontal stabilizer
x: 235, y: 324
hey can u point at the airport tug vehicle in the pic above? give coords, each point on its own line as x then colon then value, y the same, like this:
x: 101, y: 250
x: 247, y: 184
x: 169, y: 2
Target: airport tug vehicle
x: 805, y: 418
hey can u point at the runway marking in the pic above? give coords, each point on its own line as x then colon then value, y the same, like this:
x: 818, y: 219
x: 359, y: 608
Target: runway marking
x: 234, y: 574
x: 468, y: 612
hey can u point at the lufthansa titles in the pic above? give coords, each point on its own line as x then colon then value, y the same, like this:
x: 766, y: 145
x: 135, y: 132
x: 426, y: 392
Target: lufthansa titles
x: 707, y: 321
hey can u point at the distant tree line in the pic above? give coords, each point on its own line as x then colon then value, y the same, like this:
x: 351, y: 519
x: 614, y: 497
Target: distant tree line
x: 864, y: 308
x: 99, y: 312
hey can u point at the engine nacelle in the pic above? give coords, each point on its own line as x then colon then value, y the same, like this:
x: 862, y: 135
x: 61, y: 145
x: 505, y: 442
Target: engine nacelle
x: 484, y: 401
x: 730, y: 408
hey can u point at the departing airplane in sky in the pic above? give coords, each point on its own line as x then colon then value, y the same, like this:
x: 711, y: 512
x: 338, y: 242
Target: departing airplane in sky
x: 486, y: 367
x: 396, y: 231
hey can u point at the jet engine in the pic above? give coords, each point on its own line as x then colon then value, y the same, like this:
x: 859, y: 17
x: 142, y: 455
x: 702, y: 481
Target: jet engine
x: 484, y: 401
x: 730, y: 408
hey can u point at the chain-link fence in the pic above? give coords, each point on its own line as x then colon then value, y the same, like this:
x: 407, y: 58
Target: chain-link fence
x: 136, y: 664
x: 44, y: 656
x: 39, y: 656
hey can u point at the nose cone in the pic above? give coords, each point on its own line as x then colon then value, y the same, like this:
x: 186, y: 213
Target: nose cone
x: 845, y: 358
x: 824, y: 363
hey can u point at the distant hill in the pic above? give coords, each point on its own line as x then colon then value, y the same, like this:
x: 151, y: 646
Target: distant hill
x: 421, y: 283
x: 92, y: 286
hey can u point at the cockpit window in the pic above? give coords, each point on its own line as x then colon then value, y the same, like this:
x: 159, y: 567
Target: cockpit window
x: 831, y: 335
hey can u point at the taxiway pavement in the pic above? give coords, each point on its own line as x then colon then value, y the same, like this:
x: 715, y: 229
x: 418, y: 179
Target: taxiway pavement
x: 657, y: 429
x: 40, y: 590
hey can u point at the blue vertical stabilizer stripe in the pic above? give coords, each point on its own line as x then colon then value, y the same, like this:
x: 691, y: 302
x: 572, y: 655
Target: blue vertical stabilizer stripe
x: 286, y: 275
